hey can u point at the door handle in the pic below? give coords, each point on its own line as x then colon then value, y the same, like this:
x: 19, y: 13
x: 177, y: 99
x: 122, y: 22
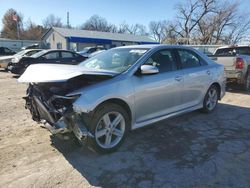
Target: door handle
x: 208, y: 72
x: 178, y: 78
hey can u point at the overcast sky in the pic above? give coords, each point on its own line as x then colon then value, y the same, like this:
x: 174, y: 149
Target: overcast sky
x: 115, y: 11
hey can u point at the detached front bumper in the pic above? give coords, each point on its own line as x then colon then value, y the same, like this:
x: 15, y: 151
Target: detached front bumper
x: 69, y: 123
x: 55, y: 120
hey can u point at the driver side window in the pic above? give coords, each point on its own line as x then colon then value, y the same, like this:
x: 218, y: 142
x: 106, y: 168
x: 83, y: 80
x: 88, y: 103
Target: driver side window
x: 163, y: 60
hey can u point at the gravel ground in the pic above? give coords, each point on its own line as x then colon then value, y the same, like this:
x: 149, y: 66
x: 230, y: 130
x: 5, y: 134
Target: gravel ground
x: 192, y: 150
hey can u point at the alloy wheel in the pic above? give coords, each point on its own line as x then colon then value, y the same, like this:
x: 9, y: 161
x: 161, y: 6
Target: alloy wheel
x: 212, y: 98
x: 110, y: 130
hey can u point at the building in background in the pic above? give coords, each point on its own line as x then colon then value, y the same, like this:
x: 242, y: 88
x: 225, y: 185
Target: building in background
x: 75, y: 39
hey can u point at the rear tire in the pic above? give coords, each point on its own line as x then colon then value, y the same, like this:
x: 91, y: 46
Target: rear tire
x: 210, y: 99
x: 109, y: 125
x: 247, y: 82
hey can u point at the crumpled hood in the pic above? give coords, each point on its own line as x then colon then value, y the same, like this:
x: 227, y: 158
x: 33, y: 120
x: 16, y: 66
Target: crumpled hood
x: 58, y: 73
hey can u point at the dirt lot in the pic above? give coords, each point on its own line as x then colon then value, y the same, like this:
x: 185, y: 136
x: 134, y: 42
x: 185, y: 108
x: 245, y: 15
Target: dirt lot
x: 195, y: 149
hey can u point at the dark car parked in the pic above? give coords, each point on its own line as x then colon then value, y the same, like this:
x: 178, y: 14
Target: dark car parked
x: 6, y: 51
x: 46, y: 56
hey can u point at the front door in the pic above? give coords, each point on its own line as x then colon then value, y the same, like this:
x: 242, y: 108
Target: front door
x: 158, y: 94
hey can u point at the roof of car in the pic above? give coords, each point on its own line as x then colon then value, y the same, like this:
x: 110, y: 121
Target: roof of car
x: 151, y: 46
x: 28, y: 50
x: 51, y: 50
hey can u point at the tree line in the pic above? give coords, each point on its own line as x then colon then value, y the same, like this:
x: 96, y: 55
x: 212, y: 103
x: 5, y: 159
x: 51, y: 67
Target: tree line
x: 196, y: 22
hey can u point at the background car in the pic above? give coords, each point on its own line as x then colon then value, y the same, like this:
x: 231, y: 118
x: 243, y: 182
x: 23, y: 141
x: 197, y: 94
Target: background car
x: 122, y: 89
x: 46, y: 56
x: 5, y: 60
x: 236, y: 60
x: 6, y: 51
x: 32, y: 46
x: 89, y: 50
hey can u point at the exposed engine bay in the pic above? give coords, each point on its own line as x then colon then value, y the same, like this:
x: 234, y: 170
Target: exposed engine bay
x: 50, y: 103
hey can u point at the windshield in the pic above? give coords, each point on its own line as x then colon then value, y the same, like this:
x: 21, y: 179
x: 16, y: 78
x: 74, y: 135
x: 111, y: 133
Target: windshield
x: 118, y: 60
x: 38, y: 54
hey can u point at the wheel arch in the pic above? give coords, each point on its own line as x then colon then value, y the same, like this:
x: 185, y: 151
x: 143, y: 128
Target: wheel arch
x: 120, y: 102
x: 217, y: 85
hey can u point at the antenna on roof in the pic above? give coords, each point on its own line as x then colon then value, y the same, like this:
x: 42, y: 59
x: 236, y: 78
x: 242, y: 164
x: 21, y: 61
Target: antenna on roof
x: 67, y: 19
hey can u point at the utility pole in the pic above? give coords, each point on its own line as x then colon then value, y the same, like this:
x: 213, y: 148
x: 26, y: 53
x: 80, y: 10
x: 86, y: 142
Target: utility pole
x: 68, y: 19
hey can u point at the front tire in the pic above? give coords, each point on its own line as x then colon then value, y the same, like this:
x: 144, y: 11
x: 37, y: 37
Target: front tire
x: 211, y: 99
x: 109, y: 125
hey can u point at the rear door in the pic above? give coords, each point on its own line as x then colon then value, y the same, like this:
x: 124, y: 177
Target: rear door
x: 158, y: 94
x: 68, y: 58
x: 197, y: 76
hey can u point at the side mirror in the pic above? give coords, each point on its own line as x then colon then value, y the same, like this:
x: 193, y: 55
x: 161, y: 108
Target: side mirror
x: 149, y: 69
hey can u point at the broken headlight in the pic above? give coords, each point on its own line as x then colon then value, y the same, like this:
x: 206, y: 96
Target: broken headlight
x: 62, y: 102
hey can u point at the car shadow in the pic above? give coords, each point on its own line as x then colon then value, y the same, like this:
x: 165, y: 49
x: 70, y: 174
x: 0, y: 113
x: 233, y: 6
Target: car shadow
x: 236, y: 88
x: 16, y: 76
x: 194, y: 149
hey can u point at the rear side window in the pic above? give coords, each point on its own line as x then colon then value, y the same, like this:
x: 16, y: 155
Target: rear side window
x: 30, y: 53
x: 163, y: 60
x: 67, y: 55
x: 188, y: 59
x: 51, y: 55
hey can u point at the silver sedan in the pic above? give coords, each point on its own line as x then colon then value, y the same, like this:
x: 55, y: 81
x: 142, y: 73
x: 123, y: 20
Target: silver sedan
x: 122, y: 89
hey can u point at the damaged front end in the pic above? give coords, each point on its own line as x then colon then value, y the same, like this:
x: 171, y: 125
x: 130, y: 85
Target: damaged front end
x: 52, y: 105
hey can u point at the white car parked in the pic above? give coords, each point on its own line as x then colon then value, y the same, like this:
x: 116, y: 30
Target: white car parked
x: 4, y: 61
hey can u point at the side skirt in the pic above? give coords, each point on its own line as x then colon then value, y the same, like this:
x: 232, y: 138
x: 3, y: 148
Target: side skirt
x: 151, y: 121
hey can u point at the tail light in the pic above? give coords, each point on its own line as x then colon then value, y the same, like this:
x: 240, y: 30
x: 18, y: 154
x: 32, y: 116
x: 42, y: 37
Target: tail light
x: 239, y: 63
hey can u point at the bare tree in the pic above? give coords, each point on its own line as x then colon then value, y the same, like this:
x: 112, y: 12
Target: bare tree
x: 157, y: 30
x: 12, y: 24
x: 98, y: 23
x: 52, y: 21
x: 240, y: 30
x: 33, y: 31
x: 122, y: 28
x: 226, y: 25
x: 135, y: 29
x: 190, y: 14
